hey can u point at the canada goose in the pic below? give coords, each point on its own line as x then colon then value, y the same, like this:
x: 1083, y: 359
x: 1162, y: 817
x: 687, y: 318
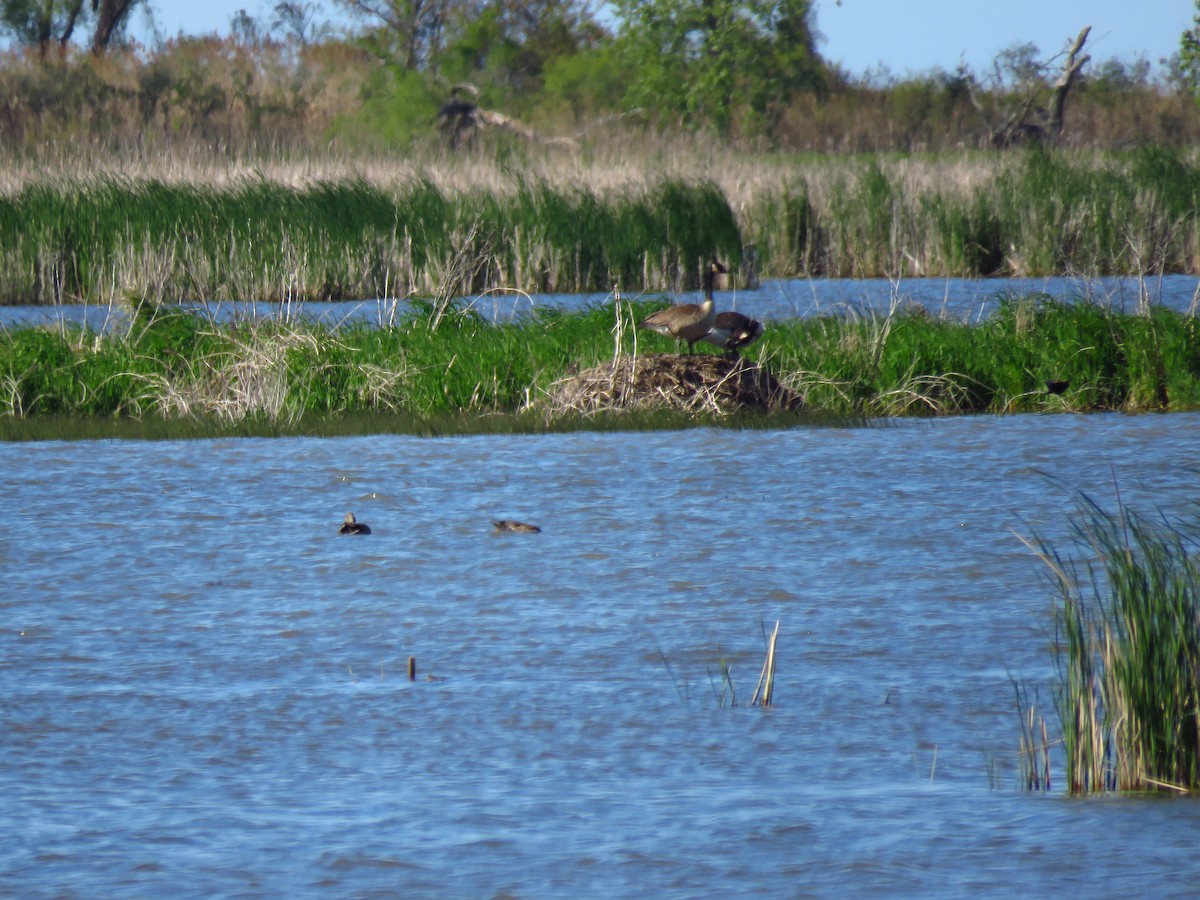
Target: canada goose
x: 688, y: 321
x: 351, y: 525
x: 514, y: 526
x: 731, y: 331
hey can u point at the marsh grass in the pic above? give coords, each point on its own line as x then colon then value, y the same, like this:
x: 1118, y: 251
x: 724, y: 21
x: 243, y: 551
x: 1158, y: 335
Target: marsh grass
x: 1128, y: 647
x: 112, y: 238
x: 285, y: 369
x: 1035, y: 212
x: 722, y: 684
x: 1034, y: 753
x: 289, y: 229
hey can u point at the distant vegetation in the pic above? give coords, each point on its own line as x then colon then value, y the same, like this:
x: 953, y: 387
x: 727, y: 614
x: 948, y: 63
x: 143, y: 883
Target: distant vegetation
x: 748, y: 74
x: 452, y: 146
x: 558, y: 225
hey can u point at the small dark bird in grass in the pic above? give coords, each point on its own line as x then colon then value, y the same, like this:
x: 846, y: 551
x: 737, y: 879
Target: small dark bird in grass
x: 1057, y: 387
x: 351, y: 525
x: 511, y: 525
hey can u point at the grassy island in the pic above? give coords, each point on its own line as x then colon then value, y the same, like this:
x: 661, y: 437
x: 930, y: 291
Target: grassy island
x: 443, y: 367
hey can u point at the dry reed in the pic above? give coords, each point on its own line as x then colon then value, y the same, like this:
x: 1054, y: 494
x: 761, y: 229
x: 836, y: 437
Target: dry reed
x: 765, y: 691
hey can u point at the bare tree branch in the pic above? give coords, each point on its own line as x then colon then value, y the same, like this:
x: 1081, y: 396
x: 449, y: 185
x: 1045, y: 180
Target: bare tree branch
x: 1027, y: 120
x: 1074, y: 62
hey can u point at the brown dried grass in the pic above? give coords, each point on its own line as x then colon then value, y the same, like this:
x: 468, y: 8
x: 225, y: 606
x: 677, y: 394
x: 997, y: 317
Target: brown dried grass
x: 698, y: 383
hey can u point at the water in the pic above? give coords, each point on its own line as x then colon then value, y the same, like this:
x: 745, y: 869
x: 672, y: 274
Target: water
x: 962, y: 299
x: 204, y: 690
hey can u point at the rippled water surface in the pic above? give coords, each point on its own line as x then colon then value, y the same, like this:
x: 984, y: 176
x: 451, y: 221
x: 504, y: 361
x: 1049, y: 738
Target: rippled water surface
x: 204, y: 693
x: 960, y: 299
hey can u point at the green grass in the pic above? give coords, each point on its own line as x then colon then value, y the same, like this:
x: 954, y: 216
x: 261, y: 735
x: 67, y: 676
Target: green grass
x: 1034, y: 213
x: 111, y: 238
x: 178, y: 366
x: 114, y: 239
x: 907, y: 361
x: 1128, y: 648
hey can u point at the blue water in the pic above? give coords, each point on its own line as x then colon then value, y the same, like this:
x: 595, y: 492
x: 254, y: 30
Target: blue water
x: 203, y: 686
x: 961, y: 299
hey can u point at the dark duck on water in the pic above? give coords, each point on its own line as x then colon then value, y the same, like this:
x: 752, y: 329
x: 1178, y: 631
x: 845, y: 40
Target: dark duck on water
x: 351, y: 525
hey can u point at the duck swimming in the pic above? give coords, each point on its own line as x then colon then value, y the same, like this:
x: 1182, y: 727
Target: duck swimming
x: 351, y: 525
x: 511, y: 525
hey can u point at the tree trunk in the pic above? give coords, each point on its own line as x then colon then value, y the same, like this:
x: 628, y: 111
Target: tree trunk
x: 1075, y: 62
x: 45, y: 28
x: 109, y: 16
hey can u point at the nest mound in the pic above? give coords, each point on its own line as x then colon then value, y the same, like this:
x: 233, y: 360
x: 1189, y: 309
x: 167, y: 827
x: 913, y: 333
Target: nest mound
x: 696, y: 383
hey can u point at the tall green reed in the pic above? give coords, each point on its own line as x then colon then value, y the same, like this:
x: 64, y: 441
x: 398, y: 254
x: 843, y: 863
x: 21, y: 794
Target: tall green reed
x: 343, y: 236
x: 258, y: 240
x: 1128, y: 649
x: 1035, y: 212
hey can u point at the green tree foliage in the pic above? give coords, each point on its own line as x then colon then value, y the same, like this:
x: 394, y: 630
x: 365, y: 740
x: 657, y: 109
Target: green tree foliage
x: 584, y: 86
x: 505, y: 48
x: 509, y: 45
x: 394, y: 107
x: 710, y: 61
x: 1189, y: 54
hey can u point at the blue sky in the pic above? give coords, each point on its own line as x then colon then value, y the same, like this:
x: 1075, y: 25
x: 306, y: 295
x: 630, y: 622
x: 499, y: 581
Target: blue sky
x: 906, y: 36
x: 917, y: 35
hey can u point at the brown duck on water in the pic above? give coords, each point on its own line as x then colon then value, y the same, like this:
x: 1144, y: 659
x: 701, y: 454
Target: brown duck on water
x: 514, y: 526
x: 688, y: 321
